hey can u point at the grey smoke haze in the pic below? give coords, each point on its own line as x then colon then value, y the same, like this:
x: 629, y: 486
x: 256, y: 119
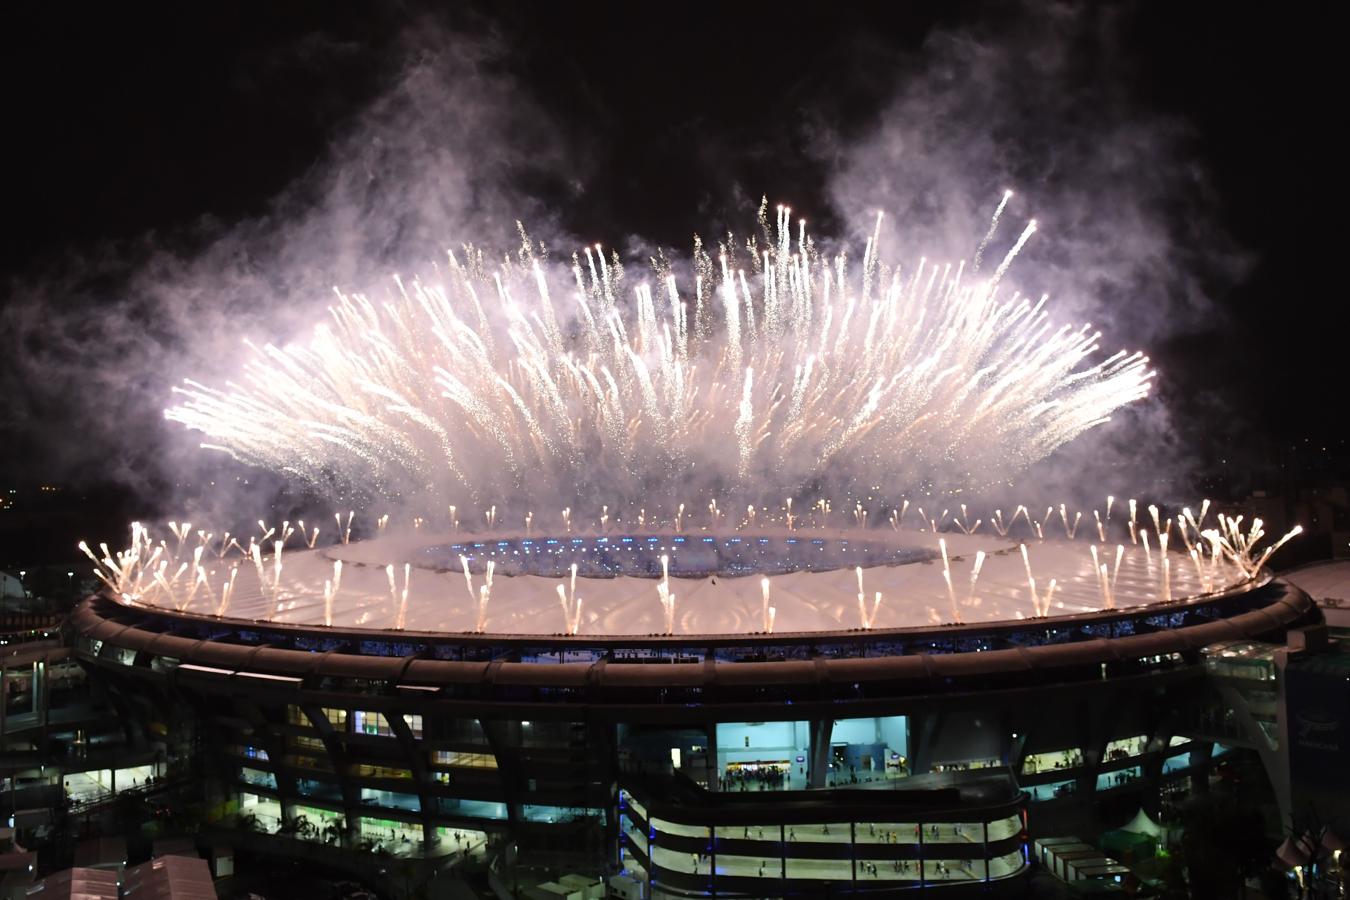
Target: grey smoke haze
x: 451, y: 153
x: 435, y: 161
x: 1128, y: 237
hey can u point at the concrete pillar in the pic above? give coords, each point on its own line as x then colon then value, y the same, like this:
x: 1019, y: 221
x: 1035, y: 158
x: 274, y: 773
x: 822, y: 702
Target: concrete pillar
x: 985, y: 848
x: 853, y: 850
x: 818, y: 760
x: 712, y: 861
x: 714, y: 767
x: 1200, y: 760
x: 922, y: 743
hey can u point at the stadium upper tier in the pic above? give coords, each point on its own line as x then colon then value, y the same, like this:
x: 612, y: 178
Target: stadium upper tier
x: 813, y: 581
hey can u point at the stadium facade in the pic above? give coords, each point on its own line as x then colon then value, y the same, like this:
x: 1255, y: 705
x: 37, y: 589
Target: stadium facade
x: 875, y: 761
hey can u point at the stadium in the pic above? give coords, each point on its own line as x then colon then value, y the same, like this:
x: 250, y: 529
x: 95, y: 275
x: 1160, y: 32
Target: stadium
x: 715, y: 712
x: 750, y: 701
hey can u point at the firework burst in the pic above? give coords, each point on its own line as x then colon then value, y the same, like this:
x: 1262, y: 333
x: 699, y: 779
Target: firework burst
x: 771, y: 367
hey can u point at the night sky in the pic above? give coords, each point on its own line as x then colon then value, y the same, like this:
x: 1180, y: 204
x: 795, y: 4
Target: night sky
x: 154, y: 139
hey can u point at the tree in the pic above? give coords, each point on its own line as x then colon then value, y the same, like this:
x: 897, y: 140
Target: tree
x: 1223, y: 844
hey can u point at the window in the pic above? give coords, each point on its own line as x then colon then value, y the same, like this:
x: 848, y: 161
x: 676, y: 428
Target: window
x: 1052, y: 760
x: 1124, y: 748
x: 258, y: 778
x: 391, y: 800
x: 373, y: 723
x: 1176, y: 763
x: 465, y: 760
x: 336, y: 717
x: 316, y: 763
x: 367, y: 771
x: 1108, y: 780
x: 538, y: 813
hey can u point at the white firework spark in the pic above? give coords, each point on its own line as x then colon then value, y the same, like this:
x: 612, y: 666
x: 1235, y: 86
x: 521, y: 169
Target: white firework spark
x: 777, y: 368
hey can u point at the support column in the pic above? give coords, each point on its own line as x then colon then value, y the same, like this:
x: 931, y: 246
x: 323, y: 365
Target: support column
x: 922, y: 744
x: 417, y: 764
x: 853, y: 850
x: 1274, y: 754
x: 818, y: 760
x: 712, y: 861
x: 923, y: 879
x: 985, y: 850
x: 714, y: 768
x: 506, y: 742
x: 1200, y: 760
x: 782, y: 850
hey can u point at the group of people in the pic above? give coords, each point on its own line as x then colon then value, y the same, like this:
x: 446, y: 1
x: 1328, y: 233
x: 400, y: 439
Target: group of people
x: 1119, y: 778
x: 888, y: 837
x: 1068, y: 759
x: 966, y: 766
x: 792, y: 832
x: 762, y: 778
x: 1133, y: 747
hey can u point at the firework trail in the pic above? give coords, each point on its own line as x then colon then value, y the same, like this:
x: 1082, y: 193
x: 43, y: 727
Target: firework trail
x: 772, y: 368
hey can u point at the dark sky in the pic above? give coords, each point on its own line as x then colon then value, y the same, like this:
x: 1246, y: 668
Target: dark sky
x: 135, y: 133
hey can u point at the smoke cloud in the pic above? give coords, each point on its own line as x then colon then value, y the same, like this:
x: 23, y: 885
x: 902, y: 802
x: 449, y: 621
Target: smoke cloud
x: 443, y: 155
x: 1039, y: 102
x: 456, y: 150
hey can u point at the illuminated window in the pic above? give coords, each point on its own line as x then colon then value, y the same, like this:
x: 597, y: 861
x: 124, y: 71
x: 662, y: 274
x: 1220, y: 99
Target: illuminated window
x: 372, y: 723
x: 1124, y: 748
x: 258, y: 778
x: 369, y: 771
x: 1051, y: 760
x: 316, y: 763
x: 336, y: 717
x: 465, y: 760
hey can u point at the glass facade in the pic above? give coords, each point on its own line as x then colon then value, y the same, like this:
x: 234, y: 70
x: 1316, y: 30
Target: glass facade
x: 909, y: 853
x: 1052, y: 760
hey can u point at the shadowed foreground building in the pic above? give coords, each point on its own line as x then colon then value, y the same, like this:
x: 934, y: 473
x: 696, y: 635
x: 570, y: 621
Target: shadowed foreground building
x: 866, y: 761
